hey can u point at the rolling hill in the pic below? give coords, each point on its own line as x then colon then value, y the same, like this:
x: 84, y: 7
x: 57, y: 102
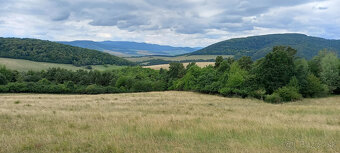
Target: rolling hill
x: 22, y: 65
x: 126, y: 48
x: 47, y: 51
x: 259, y: 46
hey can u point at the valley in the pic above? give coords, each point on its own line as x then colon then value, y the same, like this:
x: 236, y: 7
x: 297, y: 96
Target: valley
x: 175, y: 58
x: 187, y: 76
x: 166, y: 66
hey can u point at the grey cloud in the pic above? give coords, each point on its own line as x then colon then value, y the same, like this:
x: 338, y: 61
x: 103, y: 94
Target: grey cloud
x: 322, y: 8
x: 178, y: 16
x: 60, y: 16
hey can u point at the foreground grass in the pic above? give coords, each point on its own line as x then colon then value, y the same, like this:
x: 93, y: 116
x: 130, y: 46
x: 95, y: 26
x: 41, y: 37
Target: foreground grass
x: 165, y: 122
x: 26, y: 65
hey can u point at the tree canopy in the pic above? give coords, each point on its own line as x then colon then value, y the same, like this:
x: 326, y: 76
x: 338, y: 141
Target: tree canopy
x: 47, y: 51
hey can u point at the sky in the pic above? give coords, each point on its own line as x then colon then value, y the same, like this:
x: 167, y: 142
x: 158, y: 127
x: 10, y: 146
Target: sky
x: 192, y: 23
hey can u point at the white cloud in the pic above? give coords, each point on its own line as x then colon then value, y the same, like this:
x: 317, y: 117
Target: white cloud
x: 169, y: 22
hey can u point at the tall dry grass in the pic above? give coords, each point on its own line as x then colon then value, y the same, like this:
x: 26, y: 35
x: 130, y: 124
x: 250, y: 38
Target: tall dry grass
x: 166, y: 122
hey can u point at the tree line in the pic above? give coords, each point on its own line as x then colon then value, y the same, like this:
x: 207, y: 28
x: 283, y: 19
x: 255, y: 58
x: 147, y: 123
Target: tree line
x: 276, y: 78
x: 46, y: 51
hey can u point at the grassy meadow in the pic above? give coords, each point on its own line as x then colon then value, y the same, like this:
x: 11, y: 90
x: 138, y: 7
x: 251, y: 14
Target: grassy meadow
x: 176, y: 58
x: 166, y: 66
x: 166, y: 122
x: 26, y: 65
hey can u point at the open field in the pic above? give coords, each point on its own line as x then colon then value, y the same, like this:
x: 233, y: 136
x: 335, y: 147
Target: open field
x: 176, y: 58
x: 26, y: 65
x: 166, y: 122
x: 166, y: 66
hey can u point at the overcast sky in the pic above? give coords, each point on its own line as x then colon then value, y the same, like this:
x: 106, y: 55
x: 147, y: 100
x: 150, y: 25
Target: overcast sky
x: 168, y: 22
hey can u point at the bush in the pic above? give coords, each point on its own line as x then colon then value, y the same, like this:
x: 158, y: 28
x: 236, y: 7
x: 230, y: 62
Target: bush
x: 142, y: 86
x: 16, y: 87
x: 159, y: 86
x: 273, y: 98
x: 3, y: 89
x: 111, y: 89
x: 288, y: 93
x: 3, y: 79
x: 59, y: 88
x: 314, y: 87
x: 284, y: 94
x: 226, y: 91
x: 259, y: 93
x: 94, y: 89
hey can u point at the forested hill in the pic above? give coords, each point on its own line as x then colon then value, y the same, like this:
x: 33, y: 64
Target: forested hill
x: 47, y: 51
x: 259, y: 46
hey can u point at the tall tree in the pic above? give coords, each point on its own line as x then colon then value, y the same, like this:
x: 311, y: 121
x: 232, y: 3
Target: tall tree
x: 176, y: 70
x: 329, y: 71
x: 245, y: 62
x: 218, y: 61
x: 276, y: 69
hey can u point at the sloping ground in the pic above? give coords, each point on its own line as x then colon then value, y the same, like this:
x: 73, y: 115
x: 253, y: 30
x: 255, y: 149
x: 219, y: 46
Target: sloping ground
x: 26, y: 65
x: 52, y: 52
x: 258, y: 46
x: 166, y: 122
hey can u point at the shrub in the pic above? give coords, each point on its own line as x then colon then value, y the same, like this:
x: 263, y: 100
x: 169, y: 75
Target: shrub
x: 59, y: 88
x: 226, y: 91
x: 94, y: 89
x: 3, y: 88
x: 314, y: 87
x: 273, y: 98
x: 111, y: 89
x: 288, y: 93
x: 159, y: 86
x: 259, y: 93
x: 3, y: 79
x: 142, y: 86
x: 16, y: 87
x: 284, y: 94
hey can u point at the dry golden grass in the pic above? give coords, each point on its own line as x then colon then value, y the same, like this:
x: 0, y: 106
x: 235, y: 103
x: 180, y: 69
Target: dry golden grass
x: 176, y: 58
x: 165, y: 122
x: 166, y: 66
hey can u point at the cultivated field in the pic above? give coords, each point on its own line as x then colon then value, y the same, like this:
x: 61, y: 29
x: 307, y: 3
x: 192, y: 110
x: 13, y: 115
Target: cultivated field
x: 176, y: 58
x: 26, y: 65
x: 166, y: 66
x: 165, y: 122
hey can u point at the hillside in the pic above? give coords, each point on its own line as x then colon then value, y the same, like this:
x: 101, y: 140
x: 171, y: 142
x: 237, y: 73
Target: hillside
x: 47, y: 51
x: 126, y: 48
x: 27, y: 65
x: 259, y: 46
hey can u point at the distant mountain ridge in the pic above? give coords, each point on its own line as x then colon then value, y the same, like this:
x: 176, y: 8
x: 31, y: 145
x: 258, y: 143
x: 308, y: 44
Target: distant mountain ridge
x: 47, y: 51
x: 259, y: 46
x: 127, y: 48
